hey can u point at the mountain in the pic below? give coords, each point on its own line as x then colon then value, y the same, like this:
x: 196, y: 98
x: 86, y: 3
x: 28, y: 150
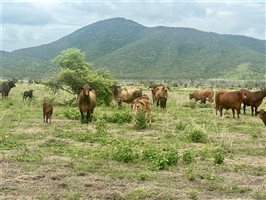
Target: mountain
x: 131, y: 50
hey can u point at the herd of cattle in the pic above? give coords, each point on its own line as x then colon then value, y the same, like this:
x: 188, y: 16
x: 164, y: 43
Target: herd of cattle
x: 223, y: 100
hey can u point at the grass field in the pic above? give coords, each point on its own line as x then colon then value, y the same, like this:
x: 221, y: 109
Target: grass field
x: 187, y: 153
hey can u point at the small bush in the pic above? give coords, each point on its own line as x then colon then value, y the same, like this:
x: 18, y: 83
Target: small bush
x: 121, y: 117
x: 72, y: 113
x: 141, y: 121
x: 160, y: 159
x: 122, y: 151
x: 198, y: 135
x: 219, y: 156
x: 188, y: 157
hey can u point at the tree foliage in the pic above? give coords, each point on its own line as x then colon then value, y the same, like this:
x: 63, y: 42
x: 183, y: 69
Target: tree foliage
x: 75, y: 71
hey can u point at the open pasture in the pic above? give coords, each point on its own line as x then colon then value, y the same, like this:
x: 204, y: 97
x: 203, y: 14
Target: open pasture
x: 187, y: 153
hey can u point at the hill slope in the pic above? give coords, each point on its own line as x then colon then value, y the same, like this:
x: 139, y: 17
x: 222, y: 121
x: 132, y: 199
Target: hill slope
x: 130, y: 50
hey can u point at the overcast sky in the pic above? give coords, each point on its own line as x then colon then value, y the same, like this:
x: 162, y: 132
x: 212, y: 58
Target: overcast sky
x: 36, y: 22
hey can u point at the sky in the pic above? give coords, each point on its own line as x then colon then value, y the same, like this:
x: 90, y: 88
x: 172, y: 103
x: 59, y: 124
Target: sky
x: 35, y: 22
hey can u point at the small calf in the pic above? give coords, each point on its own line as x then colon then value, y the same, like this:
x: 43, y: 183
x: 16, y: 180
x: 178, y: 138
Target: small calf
x: 47, y: 112
x: 262, y: 115
x: 27, y: 94
x: 142, y: 104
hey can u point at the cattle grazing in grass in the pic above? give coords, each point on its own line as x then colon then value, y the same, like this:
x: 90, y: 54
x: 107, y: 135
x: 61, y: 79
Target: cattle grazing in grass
x: 5, y: 88
x: 254, y: 99
x: 47, y: 112
x: 262, y: 116
x: 125, y: 95
x: 86, y: 102
x: 28, y: 94
x: 229, y: 100
x: 160, y: 95
x: 202, y: 95
x: 142, y: 104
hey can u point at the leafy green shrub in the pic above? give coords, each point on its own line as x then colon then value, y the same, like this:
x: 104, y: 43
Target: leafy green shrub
x: 141, y: 121
x: 72, y: 113
x: 198, y: 135
x: 219, y: 156
x: 117, y: 117
x: 188, y: 157
x: 122, y: 151
x: 160, y: 159
x: 180, y: 126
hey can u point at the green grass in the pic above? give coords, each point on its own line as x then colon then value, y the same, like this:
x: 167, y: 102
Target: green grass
x: 187, y: 153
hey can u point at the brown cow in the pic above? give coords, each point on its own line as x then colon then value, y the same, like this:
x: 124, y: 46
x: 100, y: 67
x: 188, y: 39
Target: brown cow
x: 142, y: 104
x: 86, y: 102
x: 160, y: 95
x: 202, y: 95
x: 125, y: 95
x: 262, y: 115
x: 229, y: 100
x: 47, y: 112
x: 254, y: 99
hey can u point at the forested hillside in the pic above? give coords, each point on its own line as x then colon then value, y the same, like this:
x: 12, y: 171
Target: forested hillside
x: 131, y: 50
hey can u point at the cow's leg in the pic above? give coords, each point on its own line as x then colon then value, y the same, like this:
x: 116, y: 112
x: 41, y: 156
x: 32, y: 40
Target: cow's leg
x: 252, y: 110
x: 244, y: 108
x: 238, y: 112
x: 82, y: 116
x: 88, y: 117
x: 221, y: 111
x: 43, y: 118
x: 50, y: 119
x: 256, y: 111
x: 233, y: 110
x: 158, y: 102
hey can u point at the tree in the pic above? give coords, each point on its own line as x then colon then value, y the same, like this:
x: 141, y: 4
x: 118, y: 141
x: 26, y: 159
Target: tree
x: 75, y: 71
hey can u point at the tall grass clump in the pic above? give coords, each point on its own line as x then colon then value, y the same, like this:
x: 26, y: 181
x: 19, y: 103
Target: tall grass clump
x: 188, y: 157
x: 180, y: 126
x: 198, y: 135
x: 219, y: 156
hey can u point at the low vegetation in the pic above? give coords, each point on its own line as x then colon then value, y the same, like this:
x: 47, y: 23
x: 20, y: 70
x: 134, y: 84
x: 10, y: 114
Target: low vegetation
x: 187, y: 152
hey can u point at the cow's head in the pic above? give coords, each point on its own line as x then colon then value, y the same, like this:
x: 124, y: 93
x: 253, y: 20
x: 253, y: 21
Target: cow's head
x: 190, y: 96
x: 86, y: 90
x: 242, y: 94
x: 11, y: 84
x: 116, y: 89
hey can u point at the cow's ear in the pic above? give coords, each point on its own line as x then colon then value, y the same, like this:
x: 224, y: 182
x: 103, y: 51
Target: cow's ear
x: 141, y: 102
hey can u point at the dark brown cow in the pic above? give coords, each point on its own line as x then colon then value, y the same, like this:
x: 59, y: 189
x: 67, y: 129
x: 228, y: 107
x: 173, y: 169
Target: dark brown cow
x: 254, y: 99
x: 5, y: 88
x: 47, y: 112
x: 202, y: 95
x: 229, y: 100
x: 86, y: 102
x: 142, y: 104
x: 28, y: 94
x: 262, y: 115
x: 125, y: 95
